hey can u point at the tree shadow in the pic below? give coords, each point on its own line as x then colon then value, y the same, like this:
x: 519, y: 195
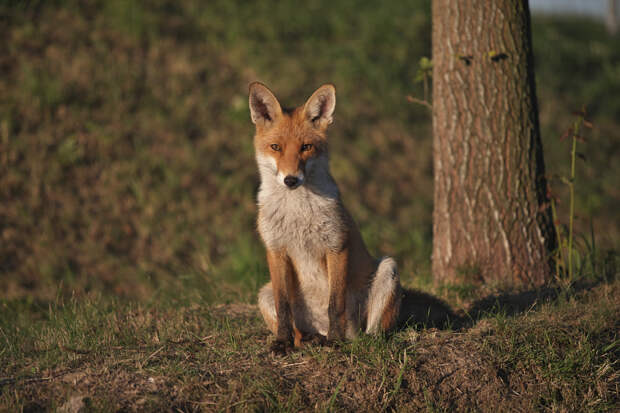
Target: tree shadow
x: 422, y: 310
x: 512, y: 304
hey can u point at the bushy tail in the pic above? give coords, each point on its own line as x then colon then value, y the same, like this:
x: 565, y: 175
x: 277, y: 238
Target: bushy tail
x: 384, y: 297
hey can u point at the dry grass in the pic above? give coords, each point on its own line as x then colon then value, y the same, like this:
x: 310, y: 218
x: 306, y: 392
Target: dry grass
x: 559, y: 355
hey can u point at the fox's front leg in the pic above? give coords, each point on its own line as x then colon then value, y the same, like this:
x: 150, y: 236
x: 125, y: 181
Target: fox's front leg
x: 337, y: 268
x: 281, y: 273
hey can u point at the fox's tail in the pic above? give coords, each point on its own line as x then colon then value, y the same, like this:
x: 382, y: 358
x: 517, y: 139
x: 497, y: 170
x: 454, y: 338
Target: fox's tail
x: 384, y: 297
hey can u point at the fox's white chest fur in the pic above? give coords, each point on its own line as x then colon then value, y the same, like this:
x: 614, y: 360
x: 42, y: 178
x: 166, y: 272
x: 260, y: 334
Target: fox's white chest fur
x: 305, y: 223
x: 308, y: 218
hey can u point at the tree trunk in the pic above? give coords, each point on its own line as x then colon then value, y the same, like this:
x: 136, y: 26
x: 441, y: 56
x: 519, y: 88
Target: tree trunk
x: 490, y: 221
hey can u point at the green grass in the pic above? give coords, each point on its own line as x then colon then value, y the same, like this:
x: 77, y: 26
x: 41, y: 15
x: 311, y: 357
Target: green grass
x: 127, y: 209
x: 559, y: 354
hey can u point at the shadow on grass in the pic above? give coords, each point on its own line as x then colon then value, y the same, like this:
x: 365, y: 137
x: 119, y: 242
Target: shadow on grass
x: 512, y: 304
x: 422, y: 310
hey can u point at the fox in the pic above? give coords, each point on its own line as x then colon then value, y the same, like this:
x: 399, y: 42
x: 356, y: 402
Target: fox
x: 324, y: 284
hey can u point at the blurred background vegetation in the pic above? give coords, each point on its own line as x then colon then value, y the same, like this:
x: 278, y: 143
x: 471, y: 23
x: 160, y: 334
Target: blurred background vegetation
x: 126, y: 157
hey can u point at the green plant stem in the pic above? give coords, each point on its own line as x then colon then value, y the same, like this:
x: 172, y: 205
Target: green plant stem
x: 559, y: 261
x: 571, y: 185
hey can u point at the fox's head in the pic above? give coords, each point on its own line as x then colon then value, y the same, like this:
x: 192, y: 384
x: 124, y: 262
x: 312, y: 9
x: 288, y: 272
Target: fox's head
x: 291, y: 145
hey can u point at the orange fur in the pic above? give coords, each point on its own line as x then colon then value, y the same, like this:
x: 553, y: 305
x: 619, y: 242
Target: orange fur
x: 323, y: 280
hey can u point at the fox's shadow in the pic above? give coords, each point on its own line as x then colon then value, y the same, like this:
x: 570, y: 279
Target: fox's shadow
x: 419, y: 309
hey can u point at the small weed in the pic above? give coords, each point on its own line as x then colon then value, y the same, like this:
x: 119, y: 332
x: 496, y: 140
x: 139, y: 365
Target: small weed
x: 423, y: 75
x: 332, y: 400
x: 567, y: 255
x: 398, y: 382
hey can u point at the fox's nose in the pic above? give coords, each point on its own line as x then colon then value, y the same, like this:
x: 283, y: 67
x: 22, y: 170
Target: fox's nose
x: 291, y: 181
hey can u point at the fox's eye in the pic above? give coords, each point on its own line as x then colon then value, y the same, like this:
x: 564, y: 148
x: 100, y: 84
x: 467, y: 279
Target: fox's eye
x: 275, y: 147
x: 306, y: 147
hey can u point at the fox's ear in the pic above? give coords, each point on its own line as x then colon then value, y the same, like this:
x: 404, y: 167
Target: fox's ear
x: 320, y: 106
x: 264, y: 107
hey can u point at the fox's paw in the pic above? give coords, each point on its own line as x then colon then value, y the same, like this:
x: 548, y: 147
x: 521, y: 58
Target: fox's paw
x: 333, y: 343
x: 335, y: 335
x: 322, y: 341
x: 316, y: 340
x: 281, y: 347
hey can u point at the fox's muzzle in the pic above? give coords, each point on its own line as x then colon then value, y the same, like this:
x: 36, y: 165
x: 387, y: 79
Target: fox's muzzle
x: 291, y: 181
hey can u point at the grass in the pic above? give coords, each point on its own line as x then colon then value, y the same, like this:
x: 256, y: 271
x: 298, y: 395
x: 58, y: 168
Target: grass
x: 559, y: 354
x: 126, y: 143
x: 129, y: 259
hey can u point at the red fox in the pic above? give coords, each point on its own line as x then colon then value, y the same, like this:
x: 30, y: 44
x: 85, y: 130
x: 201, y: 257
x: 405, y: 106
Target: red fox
x: 324, y: 283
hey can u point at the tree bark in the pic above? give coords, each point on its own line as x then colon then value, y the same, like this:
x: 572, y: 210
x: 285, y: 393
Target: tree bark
x: 490, y: 220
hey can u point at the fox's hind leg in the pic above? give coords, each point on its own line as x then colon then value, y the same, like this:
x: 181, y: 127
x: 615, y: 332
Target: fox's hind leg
x: 267, y: 307
x: 384, y: 297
